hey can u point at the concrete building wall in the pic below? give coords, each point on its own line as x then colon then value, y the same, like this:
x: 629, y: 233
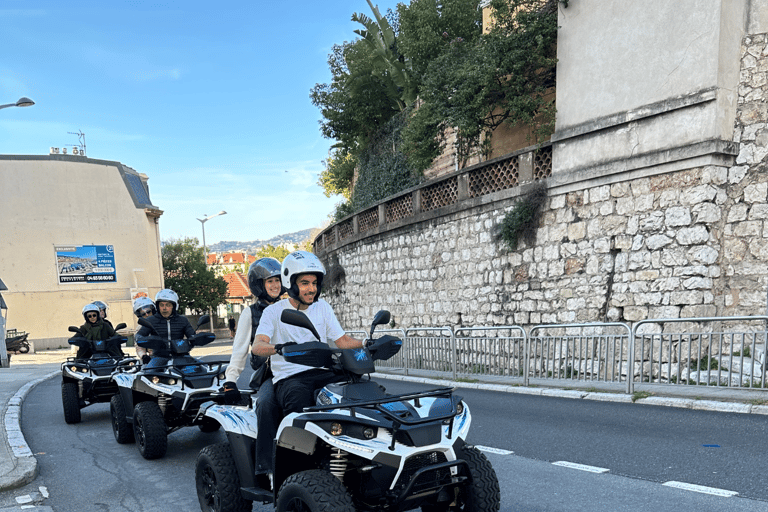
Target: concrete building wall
x: 57, y: 200
x: 636, y: 79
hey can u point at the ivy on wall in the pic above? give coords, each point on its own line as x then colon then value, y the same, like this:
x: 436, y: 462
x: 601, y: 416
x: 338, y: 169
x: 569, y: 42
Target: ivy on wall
x: 521, y: 222
x: 382, y: 170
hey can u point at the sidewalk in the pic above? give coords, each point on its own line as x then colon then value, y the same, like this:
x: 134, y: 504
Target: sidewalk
x: 18, y: 465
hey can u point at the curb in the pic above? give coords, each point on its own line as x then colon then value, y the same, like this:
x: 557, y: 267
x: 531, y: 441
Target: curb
x: 25, y: 464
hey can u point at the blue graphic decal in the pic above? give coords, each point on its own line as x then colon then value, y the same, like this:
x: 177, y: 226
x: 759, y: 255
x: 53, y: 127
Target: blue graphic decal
x: 179, y: 343
x: 360, y: 355
x: 394, y: 406
x: 291, y: 354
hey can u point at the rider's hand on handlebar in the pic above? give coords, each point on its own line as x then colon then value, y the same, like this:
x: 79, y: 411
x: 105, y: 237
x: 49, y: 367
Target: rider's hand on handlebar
x: 280, y: 346
x: 231, y: 393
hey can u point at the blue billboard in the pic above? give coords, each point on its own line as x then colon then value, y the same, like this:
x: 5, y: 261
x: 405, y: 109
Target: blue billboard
x: 85, y: 264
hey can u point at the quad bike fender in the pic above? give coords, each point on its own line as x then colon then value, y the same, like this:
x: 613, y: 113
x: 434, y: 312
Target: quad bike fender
x: 234, y: 419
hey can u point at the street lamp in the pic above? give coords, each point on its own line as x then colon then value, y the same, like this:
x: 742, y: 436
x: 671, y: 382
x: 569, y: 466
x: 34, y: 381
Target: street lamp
x: 205, y: 249
x: 23, y: 102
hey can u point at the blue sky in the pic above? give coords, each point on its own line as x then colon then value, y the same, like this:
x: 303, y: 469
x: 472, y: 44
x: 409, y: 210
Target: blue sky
x: 209, y: 99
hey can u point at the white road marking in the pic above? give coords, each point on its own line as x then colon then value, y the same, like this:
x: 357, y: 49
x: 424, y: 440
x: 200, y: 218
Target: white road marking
x: 24, y: 499
x: 498, y: 451
x: 580, y: 467
x: 700, y: 488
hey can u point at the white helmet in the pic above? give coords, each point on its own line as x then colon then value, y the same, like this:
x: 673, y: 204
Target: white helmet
x: 301, y: 262
x: 143, y: 306
x: 102, y: 306
x: 91, y: 308
x: 167, y: 295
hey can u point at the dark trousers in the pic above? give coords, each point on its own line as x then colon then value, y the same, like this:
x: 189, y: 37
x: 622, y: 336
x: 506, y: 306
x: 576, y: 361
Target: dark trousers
x: 268, y: 416
x: 298, y: 391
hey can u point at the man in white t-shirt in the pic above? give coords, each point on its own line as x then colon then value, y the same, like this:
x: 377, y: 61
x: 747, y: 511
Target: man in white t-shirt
x: 302, y: 274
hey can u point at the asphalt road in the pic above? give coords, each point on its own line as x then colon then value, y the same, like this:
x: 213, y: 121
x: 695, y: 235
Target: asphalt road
x: 642, y: 447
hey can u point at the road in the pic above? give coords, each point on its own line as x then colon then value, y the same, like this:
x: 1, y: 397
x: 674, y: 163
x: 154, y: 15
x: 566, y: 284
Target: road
x: 642, y: 447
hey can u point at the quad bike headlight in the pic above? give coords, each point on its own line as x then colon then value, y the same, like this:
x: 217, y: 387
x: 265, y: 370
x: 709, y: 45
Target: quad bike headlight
x: 171, y: 382
x: 221, y: 376
x: 460, y: 408
x: 336, y: 429
x: 155, y: 380
x: 73, y: 368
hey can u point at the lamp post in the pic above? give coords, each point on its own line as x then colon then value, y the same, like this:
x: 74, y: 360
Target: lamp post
x: 23, y: 102
x: 205, y: 248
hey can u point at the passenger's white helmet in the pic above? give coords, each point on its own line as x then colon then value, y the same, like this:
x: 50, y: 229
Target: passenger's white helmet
x: 143, y: 306
x: 167, y: 295
x: 102, y: 306
x: 301, y: 262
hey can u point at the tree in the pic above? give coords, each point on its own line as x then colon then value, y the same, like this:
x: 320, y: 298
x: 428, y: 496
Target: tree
x: 504, y: 76
x: 185, y: 272
x: 427, y: 28
x: 270, y: 251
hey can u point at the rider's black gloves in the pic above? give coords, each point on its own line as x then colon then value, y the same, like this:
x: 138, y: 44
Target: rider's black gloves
x: 146, y: 358
x: 231, y: 394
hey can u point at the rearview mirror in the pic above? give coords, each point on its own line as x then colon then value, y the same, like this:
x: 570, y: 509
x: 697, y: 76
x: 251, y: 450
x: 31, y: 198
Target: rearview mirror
x: 382, y: 317
x: 299, y: 319
x: 72, y: 328
x: 120, y: 326
x: 205, y: 319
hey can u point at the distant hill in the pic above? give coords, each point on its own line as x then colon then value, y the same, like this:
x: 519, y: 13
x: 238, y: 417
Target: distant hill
x: 254, y: 245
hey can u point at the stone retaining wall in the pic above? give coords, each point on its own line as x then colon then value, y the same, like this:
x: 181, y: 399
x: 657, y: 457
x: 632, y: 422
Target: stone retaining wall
x: 648, y: 243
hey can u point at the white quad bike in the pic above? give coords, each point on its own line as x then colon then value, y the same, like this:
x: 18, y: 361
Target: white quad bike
x: 89, y: 381
x: 357, y: 449
x: 165, y: 394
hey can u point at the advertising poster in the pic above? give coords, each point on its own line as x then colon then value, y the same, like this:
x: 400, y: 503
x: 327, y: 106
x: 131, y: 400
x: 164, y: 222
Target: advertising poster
x: 85, y: 264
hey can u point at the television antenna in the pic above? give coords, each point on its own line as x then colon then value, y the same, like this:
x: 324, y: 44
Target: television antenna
x: 81, y: 141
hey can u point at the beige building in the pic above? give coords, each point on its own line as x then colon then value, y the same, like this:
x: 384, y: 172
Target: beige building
x: 74, y: 230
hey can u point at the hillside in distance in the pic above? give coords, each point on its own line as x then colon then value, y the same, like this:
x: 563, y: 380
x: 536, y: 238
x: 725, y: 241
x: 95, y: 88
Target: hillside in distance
x: 254, y: 245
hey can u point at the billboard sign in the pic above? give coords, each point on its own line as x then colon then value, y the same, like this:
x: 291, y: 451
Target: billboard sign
x: 85, y: 264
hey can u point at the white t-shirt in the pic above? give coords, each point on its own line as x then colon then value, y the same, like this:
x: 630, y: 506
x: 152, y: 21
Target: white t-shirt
x: 322, y: 317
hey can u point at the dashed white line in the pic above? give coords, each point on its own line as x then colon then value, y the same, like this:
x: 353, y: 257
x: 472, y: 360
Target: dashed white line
x: 580, y: 467
x: 702, y: 489
x: 498, y: 451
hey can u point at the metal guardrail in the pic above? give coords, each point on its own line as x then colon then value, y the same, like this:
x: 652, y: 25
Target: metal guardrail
x: 498, y: 351
x: 579, y: 351
x: 707, y: 355
x: 712, y: 351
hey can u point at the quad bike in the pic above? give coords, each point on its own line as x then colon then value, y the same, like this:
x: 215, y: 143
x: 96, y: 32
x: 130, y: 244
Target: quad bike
x: 89, y: 381
x: 165, y: 394
x: 357, y: 449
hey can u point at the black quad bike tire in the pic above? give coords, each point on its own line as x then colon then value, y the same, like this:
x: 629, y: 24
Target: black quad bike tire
x: 482, y: 495
x: 150, y: 430
x: 313, y: 491
x: 23, y: 349
x: 209, y: 425
x: 71, y: 402
x: 120, y: 427
x: 217, y: 480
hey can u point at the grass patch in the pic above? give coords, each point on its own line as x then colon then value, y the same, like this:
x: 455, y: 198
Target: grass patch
x: 639, y: 395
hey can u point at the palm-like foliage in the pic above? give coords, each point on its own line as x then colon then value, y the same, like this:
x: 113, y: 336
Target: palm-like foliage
x: 388, y: 62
